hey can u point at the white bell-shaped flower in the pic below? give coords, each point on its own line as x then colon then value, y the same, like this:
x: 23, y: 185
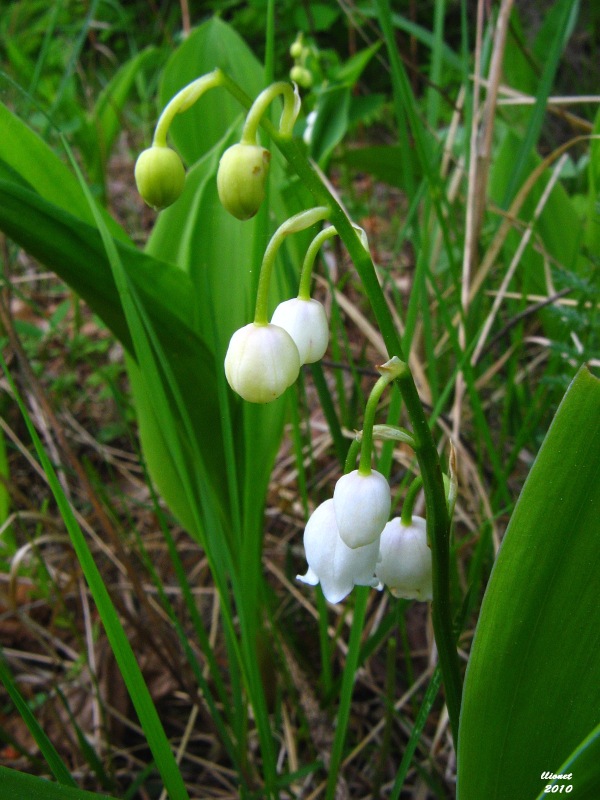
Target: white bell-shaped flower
x: 334, y: 565
x: 405, y: 564
x: 306, y: 322
x: 261, y: 362
x: 362, y: 507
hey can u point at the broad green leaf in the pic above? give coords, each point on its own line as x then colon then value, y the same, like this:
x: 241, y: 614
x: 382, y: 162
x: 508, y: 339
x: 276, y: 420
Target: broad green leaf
x: 321, y: 17
x: 532, y: 693
x: 29, y: 156
x: 363, y: 109
x: 381, y: 161
x: 21, y: 786
x: 351, y: 70
x: 582, y: 763
x: 75, y: 251
x: 214, y: 44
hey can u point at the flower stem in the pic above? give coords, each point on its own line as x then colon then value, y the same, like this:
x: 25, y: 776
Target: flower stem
x: 309, y: 261
x: 183, y: 100
x: 409, y: 501
x: 260, y: 105
x: 298, y: 222
x: 438, y: 531
x: 389, y: 371
x: 352, y: 454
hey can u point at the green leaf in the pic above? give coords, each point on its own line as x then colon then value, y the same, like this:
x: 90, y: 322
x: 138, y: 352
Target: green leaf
x: 421, y: 34
x: 381, y: 161
x: 75, y: 251
x: 583, y: 763
x: 321, y: 17
x: 532, y: 693
x: 351, y: 70
x: 77, y: 254
x: 561, y: 242
x: 30, y: 157
x: 563, y: 18
x: 19, y: 785
x: 331, y: 123
x: 592, y: 221
x: 53, y: 759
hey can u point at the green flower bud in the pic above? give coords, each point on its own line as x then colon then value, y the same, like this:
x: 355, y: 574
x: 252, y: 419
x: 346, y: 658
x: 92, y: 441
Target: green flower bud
x: 302, y: 76
x: 296, y: 49
x: 241, y: 179
x: 160, y: 176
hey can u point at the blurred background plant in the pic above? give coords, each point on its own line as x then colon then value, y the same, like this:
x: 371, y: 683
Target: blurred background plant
x: 428, y: 119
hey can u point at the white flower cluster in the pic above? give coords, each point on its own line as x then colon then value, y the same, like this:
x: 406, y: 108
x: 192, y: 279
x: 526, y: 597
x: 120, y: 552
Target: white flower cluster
x: 349, y: 542
x: 263, y: 360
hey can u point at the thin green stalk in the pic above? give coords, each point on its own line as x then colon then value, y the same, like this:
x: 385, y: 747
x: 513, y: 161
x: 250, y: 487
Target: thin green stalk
x: 389, y: 371
x: 409, y: 500
x: 438, y: 526
x: 53, y: 759
x: 309, y: 261
x: 352, y: 456
x: 437, y: 59
x: 270, y: 43
x: 324, y: 644
x: 183, y: 100
x: 415, y: 735
x: 260, y: 105
x: 343, y: 715
x: 298, y: 222
x: 340, y: 444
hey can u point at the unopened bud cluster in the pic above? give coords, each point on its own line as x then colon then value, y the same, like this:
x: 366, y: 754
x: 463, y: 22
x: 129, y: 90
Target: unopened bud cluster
x: 243, y: 169
x: 300, y: 73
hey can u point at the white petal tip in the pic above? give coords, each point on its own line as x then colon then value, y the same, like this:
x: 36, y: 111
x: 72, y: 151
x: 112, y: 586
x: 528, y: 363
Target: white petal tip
x: 310, y: 578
